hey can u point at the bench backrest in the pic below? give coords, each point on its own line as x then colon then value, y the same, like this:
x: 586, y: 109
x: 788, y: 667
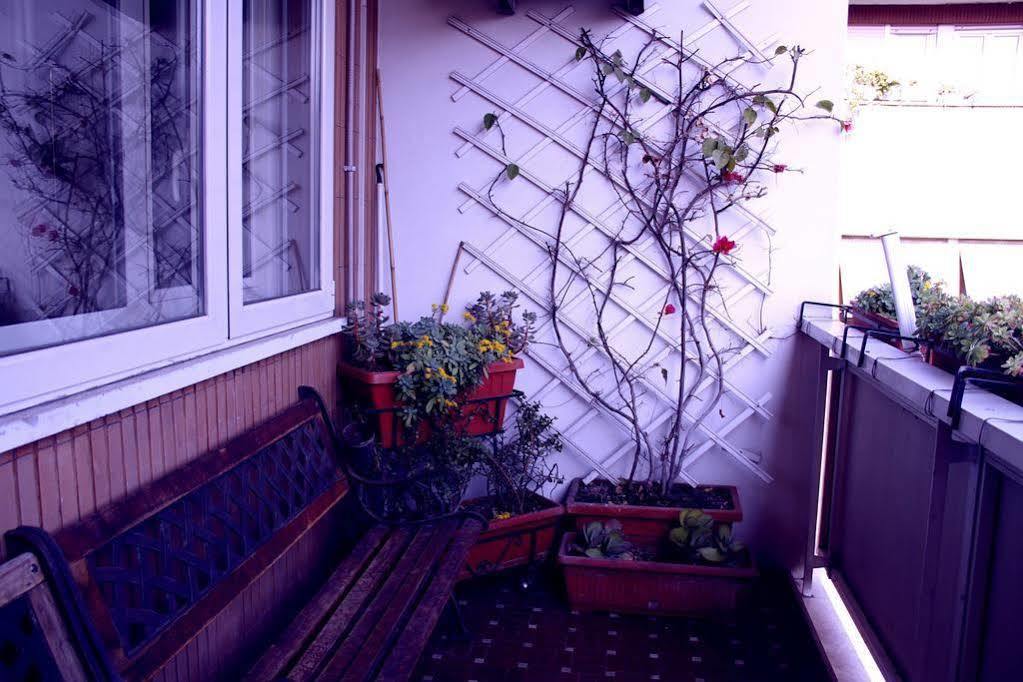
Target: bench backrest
x: 157, y: 566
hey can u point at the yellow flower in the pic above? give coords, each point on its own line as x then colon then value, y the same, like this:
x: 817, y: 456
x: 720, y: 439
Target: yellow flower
x: 469, y: 316
x: 501, y: 516
x: 444, y: 307
x: 433, y: 307
x: 395, y: 344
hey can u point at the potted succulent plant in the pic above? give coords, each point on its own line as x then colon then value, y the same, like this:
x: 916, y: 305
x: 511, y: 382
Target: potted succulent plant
x: 524, y: 523
x: 408, y: 376
x: 961, y: 331
x: 875, y: 307
x: 643, y: 510
x: 697, y: 569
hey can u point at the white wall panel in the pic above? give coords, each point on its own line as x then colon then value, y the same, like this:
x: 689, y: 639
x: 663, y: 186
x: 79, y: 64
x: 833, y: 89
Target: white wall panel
x: 433, y: 172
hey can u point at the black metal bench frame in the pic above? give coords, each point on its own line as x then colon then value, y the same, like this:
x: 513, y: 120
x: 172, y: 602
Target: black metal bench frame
x: 135, y: 581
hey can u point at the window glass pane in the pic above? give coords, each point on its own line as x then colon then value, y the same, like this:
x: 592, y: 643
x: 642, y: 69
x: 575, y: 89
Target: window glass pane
x: 99, y: 169
x: 279, y: 170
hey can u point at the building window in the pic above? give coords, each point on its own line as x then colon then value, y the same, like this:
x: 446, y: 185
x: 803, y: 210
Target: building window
x: 148, y: 147
x: 99, y: 138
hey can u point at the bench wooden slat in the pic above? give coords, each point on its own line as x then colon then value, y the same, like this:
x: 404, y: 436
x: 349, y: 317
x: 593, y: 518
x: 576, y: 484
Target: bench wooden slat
x: 402, y: 660
x: 306, y: 624
x: 347, y: 613
x: 414, y: 571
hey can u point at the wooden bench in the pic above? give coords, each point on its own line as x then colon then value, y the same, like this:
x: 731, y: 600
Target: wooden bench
x: 144, y: 582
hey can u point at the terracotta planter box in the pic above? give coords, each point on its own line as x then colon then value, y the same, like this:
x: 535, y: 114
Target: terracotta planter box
x: 515, y: 541
x: 639, y: 523
x: 862, y: 318
x: 652, y: 587
x: 376, y: 390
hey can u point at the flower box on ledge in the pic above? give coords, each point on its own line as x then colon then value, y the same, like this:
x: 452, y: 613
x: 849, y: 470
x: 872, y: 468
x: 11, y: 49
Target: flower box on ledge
x: 653, y: 587
x: 648, y: 523
x: 482, y: 413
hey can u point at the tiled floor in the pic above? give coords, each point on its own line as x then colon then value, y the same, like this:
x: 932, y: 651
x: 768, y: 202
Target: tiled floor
x: 531, y: 634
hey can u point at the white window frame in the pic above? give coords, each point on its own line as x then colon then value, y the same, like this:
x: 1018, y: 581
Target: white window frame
x: 318, y: 303
x: 35, y: 377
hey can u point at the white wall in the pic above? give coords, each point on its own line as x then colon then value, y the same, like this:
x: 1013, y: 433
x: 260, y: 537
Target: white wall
x: 419, y: 51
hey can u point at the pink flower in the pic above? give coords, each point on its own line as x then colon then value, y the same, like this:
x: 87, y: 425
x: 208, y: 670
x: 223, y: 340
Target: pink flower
x: 732, y: 176
x: 669, y: 309
x: 723, y: 245
x: 40, y: 229
x: 847, y: 126
x: 780, y: 168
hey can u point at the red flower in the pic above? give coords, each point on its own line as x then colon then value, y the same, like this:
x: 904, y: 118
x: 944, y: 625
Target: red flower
x: 723, y: 245
x: 40, y: 229
x: 847, y: 126
x: 732, y: 176
x: 72, y: 290
x: 54, y: 236
x: 780, y: 168
x: 669, y: 309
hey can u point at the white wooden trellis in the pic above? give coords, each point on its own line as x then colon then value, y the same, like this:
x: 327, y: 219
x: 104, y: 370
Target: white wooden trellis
x: 557, y: 135
x: 712, y: 436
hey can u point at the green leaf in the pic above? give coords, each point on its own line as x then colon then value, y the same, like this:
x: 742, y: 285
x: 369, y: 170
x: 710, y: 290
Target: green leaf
x: 826, y: 104
x: 722, y: 158
x: 709, y: 145
x: 489, y: 120
x: 679, y: 536
x: 711, y: 554
x: 644, y: 95
x: 749, y: 116
x: 607, y: 69
x: 664, y: 375
x: 580, y: 52
x: 619, y: 74
x: 512, y: 171
x: 594, y: 553
x: 628, y: 137
x: 781, y: 49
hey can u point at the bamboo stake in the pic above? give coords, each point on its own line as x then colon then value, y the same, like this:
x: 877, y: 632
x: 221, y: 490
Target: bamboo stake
x: 387, y: 196
x: 451, y: 278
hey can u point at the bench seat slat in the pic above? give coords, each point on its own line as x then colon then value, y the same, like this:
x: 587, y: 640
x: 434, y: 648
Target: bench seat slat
x: 348, y: 612
x: 383, y: 581
x: 306, y: 624
x: 357, y: 659
x: 402, y: 660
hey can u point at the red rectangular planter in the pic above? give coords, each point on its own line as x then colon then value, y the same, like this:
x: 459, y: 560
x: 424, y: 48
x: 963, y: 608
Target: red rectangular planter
x: 514, y: 541
x: 652, y: 587
x: 376, y: 390
x: 639, y: 523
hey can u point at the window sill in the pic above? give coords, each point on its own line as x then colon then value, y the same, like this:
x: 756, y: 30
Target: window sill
x: 31, y: 424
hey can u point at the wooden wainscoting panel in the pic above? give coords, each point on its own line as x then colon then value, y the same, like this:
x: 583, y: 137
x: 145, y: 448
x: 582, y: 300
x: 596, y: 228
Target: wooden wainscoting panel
x: 56, y: 480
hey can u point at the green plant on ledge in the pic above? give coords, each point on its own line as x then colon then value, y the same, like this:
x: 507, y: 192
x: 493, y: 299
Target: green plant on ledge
x: 700, y: 538
x: 980, y: 333
x: 879, y: 300
x: 604, y: 541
